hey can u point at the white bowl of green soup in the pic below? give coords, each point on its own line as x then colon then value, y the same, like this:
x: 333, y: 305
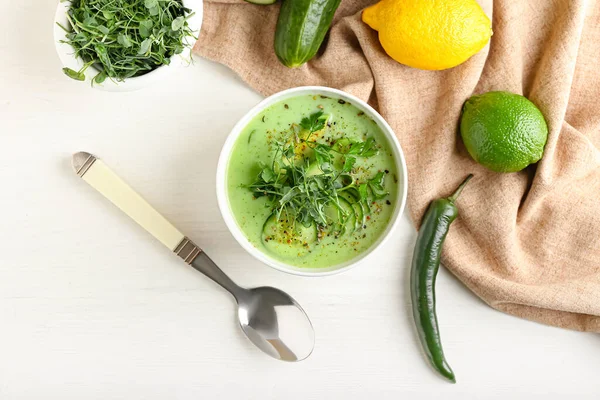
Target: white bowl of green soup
x: 311, y: 181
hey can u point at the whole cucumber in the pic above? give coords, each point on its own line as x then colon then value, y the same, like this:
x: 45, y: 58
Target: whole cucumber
x: 301, y: 28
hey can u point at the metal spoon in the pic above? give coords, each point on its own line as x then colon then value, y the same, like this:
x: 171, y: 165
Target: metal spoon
x: 270, y: 318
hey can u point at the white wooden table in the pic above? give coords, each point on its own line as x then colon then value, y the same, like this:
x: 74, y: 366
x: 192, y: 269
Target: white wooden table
x: 91, y: 307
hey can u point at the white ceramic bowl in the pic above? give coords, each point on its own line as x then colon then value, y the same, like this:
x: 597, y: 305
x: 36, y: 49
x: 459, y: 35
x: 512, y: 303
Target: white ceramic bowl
x: 65, y: 51
x: 223, y: 199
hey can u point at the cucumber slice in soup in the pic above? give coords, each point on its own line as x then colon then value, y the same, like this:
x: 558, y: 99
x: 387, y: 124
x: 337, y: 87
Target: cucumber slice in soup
x: 341, y: 220
x: 358, y: 208
x: 286, y: 239
x: 313, y: 170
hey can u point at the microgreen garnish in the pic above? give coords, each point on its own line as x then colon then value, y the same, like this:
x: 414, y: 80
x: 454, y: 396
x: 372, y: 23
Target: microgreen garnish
x: 123, y: 38
x: 308, y: 177
x: 362, y: 149
x: 315, y: 122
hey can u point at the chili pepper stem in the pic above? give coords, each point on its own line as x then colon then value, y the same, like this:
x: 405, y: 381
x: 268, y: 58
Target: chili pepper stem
x: 458, y: 191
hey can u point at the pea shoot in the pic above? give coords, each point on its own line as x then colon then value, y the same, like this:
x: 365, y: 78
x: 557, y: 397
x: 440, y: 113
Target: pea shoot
x: 125, y: 38
x: 308, y: 177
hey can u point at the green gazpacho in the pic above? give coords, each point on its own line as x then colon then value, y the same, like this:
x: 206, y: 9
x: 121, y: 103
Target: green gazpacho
x: 312, y: 181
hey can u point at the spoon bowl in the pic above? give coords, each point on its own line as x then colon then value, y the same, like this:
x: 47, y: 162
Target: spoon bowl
x: 269, y: 317
x: 276, y: 324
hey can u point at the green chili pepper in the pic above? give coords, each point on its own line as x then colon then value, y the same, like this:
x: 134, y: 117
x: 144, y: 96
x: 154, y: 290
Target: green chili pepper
x: 425, y: 266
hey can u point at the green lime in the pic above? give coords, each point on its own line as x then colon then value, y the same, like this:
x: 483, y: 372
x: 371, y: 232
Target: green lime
x: 503, y: 131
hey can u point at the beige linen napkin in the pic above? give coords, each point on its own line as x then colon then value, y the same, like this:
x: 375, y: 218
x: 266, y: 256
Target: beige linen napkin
x: 527, y: 243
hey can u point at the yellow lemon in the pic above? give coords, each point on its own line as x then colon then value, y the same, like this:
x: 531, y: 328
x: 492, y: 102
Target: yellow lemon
x: 429, y: 34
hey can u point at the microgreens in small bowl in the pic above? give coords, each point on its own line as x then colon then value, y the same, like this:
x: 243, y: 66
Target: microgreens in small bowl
x: 121, y: 45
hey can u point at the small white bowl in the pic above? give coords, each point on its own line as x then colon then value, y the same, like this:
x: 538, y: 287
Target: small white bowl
x: 65, y: 51
x: 223, y: 199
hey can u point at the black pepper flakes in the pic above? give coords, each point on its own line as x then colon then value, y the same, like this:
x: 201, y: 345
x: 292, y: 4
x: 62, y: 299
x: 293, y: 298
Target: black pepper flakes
x: 341, y: 101
x: 286, y: 106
